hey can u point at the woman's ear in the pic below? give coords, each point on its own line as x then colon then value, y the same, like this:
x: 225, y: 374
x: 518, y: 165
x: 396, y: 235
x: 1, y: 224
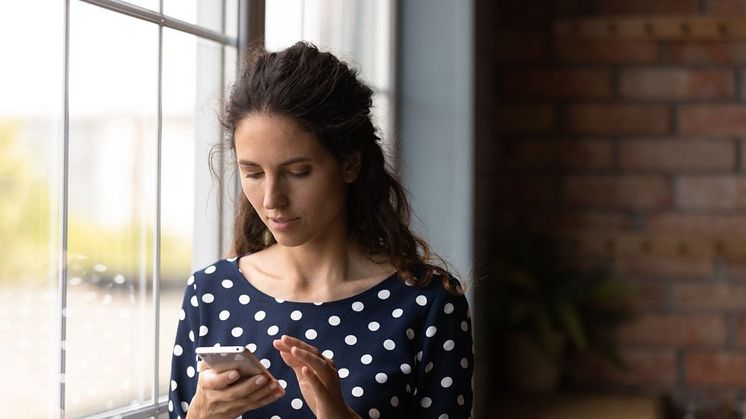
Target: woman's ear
x: 351, y: 167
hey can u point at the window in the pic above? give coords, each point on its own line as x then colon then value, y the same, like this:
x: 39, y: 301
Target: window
x: 103, y: 160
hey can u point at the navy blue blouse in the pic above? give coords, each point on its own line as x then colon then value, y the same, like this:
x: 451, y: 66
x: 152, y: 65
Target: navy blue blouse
x: 400, y: 351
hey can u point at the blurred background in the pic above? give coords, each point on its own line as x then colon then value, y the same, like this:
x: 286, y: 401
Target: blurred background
x: 579, y: 164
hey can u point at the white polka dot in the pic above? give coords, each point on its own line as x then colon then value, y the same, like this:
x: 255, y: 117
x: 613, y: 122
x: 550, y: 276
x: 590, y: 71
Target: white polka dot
x: 273, y: 330
x: 318, y: 303
x: 464, y: 363
x: 373, y: 326
x: 395, y: 401
x: 191, y: 335
x: 265, y: 362
x: 279, y: 300
x: 384, y: 294
x: 410, y: 334
x: 190, y: 281
x: 328, y: 353
x: 203, y: 330
x: 405, y: 368
x: 178, y: 350
x: 193, y: 301
x: 358, y: 306
x: 350, y: 340
x: 244, y: 299
x: 460, y: 400
x: 397, y: 313
x: 389, y: 344
x: 170, y: 406
x: 297, y: 404
x: 184, y: 406
x: 232, y: 259
x: 431, y: 331
x: 311, y: 334
x: 224, y: 315
x: 464, y: 325
x: 208, y: 298
x: 366, y: 359
x: 210, y: 269
x: 252, y: 347
x: 236, y: 332
x: 381, y: 377
x: 343, y: 372
x: 429, y: 367
x: 296, y: 315
x: 173, y: 385
x: 443, y: 416
x: 334, y: 320
x: 273, y: 417
x: 283, y: 383
x: 448, y: 308
x: 374, y: 413
x: 446, y: 382
x: 357, y: 391
x: 227, y: 283
x: 190, y: 371
x: 260, y: 315
x: 182, y: 314
x: 449, y: 345
x: 421, y: 300
x: 426, y: 402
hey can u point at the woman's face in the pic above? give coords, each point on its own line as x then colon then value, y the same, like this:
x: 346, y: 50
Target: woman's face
x: 295, y: 185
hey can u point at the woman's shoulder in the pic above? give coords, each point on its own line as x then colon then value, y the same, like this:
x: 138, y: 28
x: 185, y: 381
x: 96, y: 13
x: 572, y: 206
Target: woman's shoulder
x: 220, y: 269
x: 434, y: 281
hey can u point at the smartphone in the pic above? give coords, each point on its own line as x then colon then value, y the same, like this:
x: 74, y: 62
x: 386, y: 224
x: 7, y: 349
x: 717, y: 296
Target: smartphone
x: 224, y: 358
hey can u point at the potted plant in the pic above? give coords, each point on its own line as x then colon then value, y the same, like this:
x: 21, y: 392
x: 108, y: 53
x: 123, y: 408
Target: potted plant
x: 545, y: 312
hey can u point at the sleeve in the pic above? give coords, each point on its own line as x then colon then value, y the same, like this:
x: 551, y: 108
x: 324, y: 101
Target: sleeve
x: 444, y: 367
x: 183, y: 383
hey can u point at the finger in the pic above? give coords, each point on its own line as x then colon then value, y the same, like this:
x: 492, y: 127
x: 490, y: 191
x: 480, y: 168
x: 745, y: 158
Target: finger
x: 318, y: 364
x: 318, y: 387
x: 201, y: 366
x: 291, y: 341
x: 211, y: 379
x: 253, y: 389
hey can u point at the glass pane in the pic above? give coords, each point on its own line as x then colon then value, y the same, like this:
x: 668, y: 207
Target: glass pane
x: 31, y: 138
x: 205, y: 13
x: 112, y: 179
x: 192, y: 70
x: 231, y: 18
x: 148, y: 4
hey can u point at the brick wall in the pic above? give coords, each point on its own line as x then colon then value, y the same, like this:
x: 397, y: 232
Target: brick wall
x: 636, y: 148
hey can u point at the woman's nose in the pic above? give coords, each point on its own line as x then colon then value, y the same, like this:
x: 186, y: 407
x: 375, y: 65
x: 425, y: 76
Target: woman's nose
x: 274, y: 196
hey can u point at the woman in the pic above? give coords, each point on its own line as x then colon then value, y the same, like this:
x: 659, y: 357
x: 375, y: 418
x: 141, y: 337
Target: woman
x: 328, y: 286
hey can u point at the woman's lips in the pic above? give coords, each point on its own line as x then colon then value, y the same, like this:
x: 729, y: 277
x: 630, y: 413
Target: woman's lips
x: 282, y: 224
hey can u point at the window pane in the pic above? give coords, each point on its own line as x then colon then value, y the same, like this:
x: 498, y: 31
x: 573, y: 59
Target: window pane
x: 112, y: 175
x: 189, y: 236
x: 148, y: 4
x: 31, y: 138
x: 205, y: 13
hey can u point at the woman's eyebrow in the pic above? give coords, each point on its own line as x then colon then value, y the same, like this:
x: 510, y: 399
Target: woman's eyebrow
x: 285, y: 163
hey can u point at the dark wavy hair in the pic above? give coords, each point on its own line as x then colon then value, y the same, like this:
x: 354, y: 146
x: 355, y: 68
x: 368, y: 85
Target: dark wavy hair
x: 325, y: 97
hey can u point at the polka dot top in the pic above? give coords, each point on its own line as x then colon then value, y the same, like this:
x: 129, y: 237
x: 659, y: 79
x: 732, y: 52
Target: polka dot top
x: 400, y: 351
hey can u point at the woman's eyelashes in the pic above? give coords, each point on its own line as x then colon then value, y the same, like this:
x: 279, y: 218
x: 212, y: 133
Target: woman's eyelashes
x: 291, y: 173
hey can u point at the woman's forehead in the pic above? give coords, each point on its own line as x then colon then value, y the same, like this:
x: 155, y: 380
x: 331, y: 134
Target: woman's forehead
x: 269, y: 139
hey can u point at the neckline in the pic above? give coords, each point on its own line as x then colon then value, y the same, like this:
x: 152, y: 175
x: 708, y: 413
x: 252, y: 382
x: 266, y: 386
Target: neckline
x: 375, y: 288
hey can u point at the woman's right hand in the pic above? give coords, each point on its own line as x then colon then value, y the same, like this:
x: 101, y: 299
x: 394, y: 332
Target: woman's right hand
x: 226, y: 396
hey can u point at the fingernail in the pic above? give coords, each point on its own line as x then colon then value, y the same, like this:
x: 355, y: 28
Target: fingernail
x: 233, y: 375
x: 260, y: 380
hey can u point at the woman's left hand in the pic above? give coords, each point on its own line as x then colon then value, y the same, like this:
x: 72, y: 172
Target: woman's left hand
x: 317, y: 377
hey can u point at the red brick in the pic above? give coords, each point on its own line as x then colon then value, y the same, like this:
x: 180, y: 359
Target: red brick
x: 676, y: 155
x: 676, y: 84
x: 617, y: 119
x: 721, y: 368
x: 525, y: 117
x: 559, y: 83
x: 707, y: 52
x: 629, y: 192
x: 552, y: 154
x: 649, y: 295
x: 711, y: 192
x: 664, y: 267
x: 743, y: 155
x: 645, y: 7
x: 645, y: 367
x: 675, y: 330
x: 606, y: 52
x: 713, y: 119
x: 579, y: 220
x: 529, y: 191
x: 696, y: 224
x: 741, y: 331
x: 521, y: 44
x: 730, y: 8
x: 709, y: 296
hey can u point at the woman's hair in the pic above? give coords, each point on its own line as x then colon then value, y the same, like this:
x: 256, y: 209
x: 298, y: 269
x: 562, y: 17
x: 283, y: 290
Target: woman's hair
x: 325, y: 97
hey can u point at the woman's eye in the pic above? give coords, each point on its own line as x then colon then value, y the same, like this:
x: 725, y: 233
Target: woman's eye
x: 254, y: 175
x: 301, y: 173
